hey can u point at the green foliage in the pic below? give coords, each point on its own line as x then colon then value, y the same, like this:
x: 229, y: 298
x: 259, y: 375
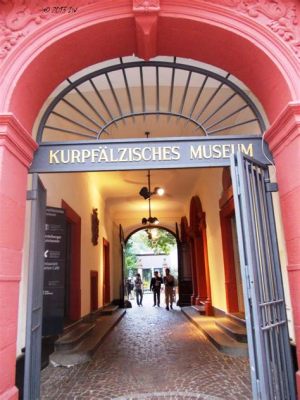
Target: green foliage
x: 130, y: 259
x: 160, y: 241
x: 151, y: 240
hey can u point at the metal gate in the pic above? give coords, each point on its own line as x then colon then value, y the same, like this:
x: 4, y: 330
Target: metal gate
x: 35, y: 290
x: 272, y: 373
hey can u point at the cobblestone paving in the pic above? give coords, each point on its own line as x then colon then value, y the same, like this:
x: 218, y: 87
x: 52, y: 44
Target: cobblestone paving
x: 152, y: 354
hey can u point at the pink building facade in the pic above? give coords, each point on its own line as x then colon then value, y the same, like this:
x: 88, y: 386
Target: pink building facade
x: 257, y: 41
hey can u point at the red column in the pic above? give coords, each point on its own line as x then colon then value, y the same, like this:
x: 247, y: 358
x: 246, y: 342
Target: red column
x: 284, y: 141
x: 208, y: 304
x: 200, y: 266
x: 226, y: 212
x: 16, y: 151
x: 194, y: 272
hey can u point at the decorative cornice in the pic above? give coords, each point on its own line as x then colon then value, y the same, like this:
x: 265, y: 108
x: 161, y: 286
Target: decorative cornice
x: 16, y: 139
x: 10, y: 278
x: 17, y: 21
x: 279, y: 16
x: 293, y: 267
x: 285, y: 128
x: 19, y: 18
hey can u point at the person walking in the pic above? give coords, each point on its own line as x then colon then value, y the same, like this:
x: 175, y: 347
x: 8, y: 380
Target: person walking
x: 169, y: 282
x: 155, y: 286
x: 129, y: 287
x: 138, y: 286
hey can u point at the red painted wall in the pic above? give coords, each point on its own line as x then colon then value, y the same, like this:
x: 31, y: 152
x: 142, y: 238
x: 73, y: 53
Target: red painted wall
x: 48, y: 51
x: 16, y: 150
x: 62, y: 46
x: 284, y: 140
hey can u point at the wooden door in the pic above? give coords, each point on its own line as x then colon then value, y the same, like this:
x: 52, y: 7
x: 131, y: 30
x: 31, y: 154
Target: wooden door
x: 94, y: 290
x: 106, y: 272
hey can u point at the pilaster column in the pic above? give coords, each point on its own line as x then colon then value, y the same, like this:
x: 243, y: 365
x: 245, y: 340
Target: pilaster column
x: 200, y: 268
x: 284, y: 142
x: 16, y: 152
x: 208, y: 305
x: 194, y: 270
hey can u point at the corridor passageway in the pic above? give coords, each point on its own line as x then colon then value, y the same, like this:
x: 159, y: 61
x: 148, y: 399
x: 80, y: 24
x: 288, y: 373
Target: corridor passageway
x: 152, y: 354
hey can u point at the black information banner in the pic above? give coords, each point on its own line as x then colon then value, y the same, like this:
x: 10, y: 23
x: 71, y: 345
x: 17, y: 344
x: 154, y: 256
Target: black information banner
x: 54, y: 271
x: 120, y: 155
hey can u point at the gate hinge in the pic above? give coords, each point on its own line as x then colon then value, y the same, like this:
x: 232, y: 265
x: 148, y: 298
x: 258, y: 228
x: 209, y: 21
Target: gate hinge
x: 248, y: 282
x: 271, y: 187
x: 238, y: 185
x: 31, y: 195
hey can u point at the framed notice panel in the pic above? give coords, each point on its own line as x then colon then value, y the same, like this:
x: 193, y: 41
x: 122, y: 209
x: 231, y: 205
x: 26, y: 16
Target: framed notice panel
x: 54, y: 271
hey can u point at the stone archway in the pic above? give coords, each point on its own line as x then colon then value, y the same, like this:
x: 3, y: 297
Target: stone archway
x: 54, y: 48
x: 37, y: 53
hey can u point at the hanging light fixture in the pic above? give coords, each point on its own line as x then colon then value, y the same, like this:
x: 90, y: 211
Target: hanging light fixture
x: 160, y: 191
x: 146, y: 193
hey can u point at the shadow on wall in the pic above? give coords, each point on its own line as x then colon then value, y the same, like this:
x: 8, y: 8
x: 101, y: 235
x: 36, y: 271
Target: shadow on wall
x: 47, y: 349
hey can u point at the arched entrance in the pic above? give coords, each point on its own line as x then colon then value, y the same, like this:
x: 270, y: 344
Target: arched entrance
x: 136, y: 28
x: 150, y: 250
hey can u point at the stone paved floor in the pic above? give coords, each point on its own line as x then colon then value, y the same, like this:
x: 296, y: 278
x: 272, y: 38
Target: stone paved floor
x: 151, y: 354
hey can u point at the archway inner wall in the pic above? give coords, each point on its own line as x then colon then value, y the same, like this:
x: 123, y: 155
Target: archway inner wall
x: 60, y: 47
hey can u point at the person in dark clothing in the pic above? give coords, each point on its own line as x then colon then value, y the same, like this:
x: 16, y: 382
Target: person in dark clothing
x: 138, y: 285
x: 169, y: 282
x: 129, y: 287
x: 155, y: 286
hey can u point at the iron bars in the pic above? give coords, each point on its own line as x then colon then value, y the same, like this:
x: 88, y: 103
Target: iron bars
x: 189, y: 99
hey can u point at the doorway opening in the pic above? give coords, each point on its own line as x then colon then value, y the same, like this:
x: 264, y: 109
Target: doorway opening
x: 199, y: 240
x: 106, y: 272
x: 149, y: 251
x: 72, y: 298
x: 94, y: 291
